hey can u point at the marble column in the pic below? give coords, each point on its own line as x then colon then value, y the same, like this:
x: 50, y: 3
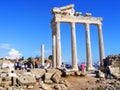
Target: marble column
x: 58, y: 45
x: 88, y: 47
x: 54, y: 50
x: 101, y: 44
x: 42, y: 53
x: 74, y: 48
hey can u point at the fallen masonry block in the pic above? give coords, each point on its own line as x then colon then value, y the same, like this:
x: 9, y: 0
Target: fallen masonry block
x: 26, y: 80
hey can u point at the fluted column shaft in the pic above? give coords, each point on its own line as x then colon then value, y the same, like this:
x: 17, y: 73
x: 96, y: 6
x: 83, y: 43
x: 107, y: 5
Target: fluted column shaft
x: 101, y: 44
x: 54, y: 50
x: 88, y: 47
x: 74, y: 48
x: 42, y: 52
x: 58, y: 45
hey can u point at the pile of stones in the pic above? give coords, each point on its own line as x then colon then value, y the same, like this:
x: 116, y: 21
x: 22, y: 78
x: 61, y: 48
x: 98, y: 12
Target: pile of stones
x: 37, y: 79
x: 115, y: 60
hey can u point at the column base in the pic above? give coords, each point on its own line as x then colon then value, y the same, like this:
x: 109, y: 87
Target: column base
x: 90, y: 68
x: 74, y: 68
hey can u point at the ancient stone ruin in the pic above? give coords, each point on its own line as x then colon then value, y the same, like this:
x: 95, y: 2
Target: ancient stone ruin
x: 67, y: 14
x: 57, y: 78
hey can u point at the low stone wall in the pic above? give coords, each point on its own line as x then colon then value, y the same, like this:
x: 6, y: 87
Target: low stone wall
x: 115, y: 70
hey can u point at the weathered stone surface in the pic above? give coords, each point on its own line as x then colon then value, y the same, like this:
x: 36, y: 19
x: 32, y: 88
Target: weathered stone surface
x: 38, y: 72
x: 83, y: 74
x: 30, y: 87
x: 72, y: 73
x: 115, y: 60
x: 1, y: 88
x: 48, y: 78
x: 53, y: 71
x: 46, y: 87
x: 56, y: 78
x: 57, y: 87
x: 48, y: 75
x: 77, y: 73
x: 66, y: 83
x: 26, y: 80
x: 0, y: 81
x: 3, y: 75
x: 48, y: 81
x: 99, y: 74
x: 60, y: 87
x: 5, y: 83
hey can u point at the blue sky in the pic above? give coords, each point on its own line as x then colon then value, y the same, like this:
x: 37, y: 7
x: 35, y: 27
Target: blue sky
x: 25, y: 25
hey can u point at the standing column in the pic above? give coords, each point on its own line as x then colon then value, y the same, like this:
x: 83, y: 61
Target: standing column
x: 54, y: 50
x: 58, y: 45
x: 88, y: 47
x: 42, y: 52
x: 101, y: 44
x: 74, y: 48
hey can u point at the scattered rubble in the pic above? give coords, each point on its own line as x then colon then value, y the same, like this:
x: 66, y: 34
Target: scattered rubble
x: 60, y: 79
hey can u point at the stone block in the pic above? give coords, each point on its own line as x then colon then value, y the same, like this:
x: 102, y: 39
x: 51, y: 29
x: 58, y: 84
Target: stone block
x: 30, y: 87
x: 77, y: 73
x: 72, y: 73
x: 99, y: 74
x: 53, y: 71
x: 38, y: 72
x: 60, y: 87
x: 26, y: 80
x: 48, y: 76
x: 5, y: 83
x: 46, y: 87
x: 0, y: 81
x: 115, y: 70
x: 83, y: 74
x: 66, y: 83
x: 56, y: 78
x: 48, y: 81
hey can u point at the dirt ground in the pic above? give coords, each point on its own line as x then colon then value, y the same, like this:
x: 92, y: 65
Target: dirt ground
x: 89, y: 83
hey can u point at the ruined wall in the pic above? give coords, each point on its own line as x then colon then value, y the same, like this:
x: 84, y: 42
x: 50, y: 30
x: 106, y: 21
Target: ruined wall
x: 115, y: 60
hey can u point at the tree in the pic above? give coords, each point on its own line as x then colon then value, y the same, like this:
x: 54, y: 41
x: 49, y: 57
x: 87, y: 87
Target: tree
x: 50, y: 57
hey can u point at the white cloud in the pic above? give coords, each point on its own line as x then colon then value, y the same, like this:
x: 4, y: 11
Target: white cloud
x: 5, y: 46
x: 13, y: 54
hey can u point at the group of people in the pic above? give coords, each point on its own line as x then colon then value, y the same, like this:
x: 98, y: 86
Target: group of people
x: 23, y: 66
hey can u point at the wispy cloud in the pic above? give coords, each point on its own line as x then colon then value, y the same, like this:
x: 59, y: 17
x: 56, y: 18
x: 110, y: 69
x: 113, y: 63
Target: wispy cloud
x: 5, y: 46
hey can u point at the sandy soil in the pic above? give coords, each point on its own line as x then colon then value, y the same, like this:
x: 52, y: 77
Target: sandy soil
x: 87, y: 83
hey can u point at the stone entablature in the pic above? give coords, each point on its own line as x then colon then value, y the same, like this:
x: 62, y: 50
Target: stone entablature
x: 68, y: 14
x: 78, y: 19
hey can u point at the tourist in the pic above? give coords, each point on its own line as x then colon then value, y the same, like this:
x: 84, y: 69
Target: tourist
x: 82, y: 66
x: 36, y: 65
x: 63, y: 65
x: 107, y: 66
x: 13, y: 78
x: 108, y: 72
